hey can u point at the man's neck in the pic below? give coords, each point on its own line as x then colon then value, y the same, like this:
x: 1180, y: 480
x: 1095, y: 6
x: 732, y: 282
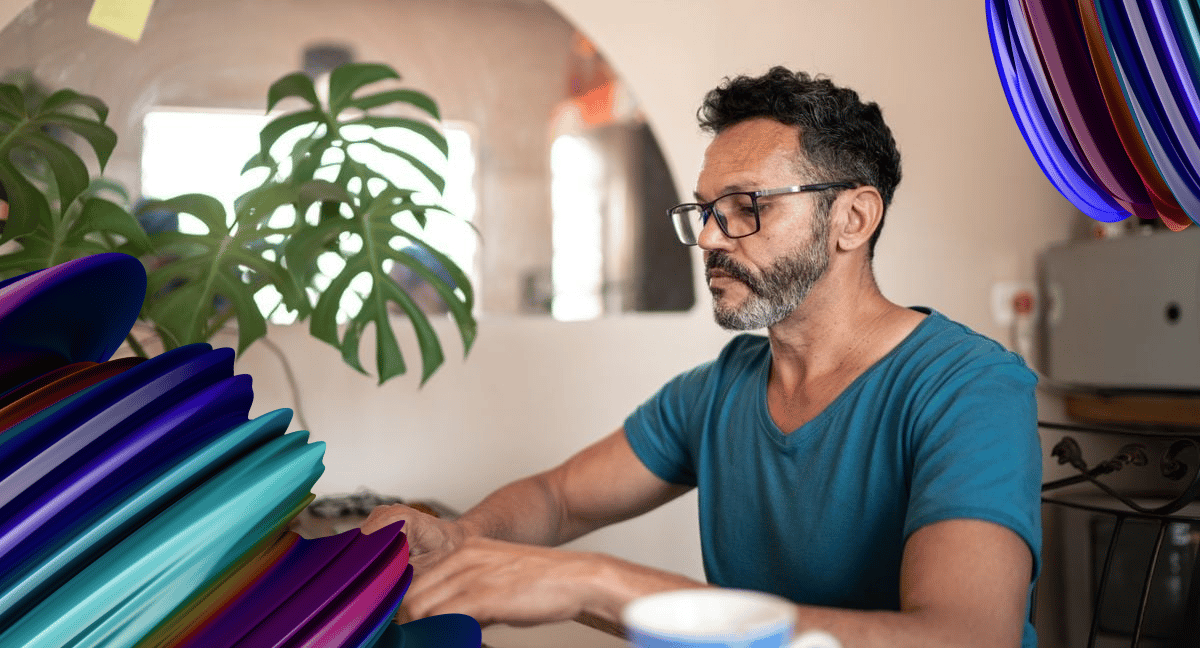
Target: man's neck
x: 841, y: 329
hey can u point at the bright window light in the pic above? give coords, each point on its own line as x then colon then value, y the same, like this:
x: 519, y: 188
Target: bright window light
x: 577, y: 264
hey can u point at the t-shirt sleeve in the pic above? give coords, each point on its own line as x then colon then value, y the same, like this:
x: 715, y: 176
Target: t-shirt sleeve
x: 977, y: 453
x: 661, y: 430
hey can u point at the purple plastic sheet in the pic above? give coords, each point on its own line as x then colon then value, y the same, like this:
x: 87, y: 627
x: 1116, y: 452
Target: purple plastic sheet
x: 86, y: 493
x: 78, y: 310
x: 1035, y: 124
x: 1064, y: 53
x: 290, y: 618
x: 56, y: 444
x: 1136, y: 69
x: 281, y: 582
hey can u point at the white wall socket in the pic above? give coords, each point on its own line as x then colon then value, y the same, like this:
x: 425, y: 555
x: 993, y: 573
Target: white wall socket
x: 1003, y: 293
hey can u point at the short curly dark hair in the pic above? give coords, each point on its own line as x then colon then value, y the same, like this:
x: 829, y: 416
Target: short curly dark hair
x: 841, y: 137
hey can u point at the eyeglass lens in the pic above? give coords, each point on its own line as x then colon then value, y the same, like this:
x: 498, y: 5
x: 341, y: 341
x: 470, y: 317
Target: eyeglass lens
x: 736, y: 215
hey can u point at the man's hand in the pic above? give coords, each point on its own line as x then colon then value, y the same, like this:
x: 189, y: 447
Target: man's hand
x: 430, y: 539
x: 504, y: 582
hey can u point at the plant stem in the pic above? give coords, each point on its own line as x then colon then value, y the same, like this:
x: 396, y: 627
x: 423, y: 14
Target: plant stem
x: 135, y: 345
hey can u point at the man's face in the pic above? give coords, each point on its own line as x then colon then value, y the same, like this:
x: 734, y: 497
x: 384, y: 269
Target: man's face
x: 759, y: 280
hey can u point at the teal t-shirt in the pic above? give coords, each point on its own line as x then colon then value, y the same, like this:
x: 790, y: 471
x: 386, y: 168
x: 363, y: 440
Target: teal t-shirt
x: 944, y: 426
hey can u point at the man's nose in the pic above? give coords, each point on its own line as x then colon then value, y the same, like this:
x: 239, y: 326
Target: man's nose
x: 712, y: 237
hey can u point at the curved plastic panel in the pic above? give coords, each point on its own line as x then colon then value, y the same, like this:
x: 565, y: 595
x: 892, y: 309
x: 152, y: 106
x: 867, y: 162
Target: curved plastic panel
x: 378, y: 619
x: 1168, y: 43
x: 56, y: 444
x: 305, y: 560
x: 1040, y: 93
x: 1184, y: 23
x: 18, y: 596
x: 234, y: 579
x: 43, y: 310
x: 19, y: 366
x: 439, y: 631
x: 123, y: 595
x: 127, y: 464
x: 1036, y: 124
x: 341, y: 625
x: 27, y: 388
x: 207, y: 606
x: 290, y: 619
x: 1064, y: 52
x: 1136, y: 68
x: 54, y: 391
x: 1110, y: 85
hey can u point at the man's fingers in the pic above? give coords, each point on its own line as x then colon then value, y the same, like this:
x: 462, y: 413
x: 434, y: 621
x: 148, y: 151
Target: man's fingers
x: 382, y: 516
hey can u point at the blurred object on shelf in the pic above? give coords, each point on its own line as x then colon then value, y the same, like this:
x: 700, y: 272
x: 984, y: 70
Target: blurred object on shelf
x: 333, y: 514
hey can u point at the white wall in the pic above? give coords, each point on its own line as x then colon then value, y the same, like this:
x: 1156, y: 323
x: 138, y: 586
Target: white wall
x: 973, y: 209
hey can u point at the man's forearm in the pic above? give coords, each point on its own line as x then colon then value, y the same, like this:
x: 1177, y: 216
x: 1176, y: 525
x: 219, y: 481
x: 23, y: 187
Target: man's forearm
x: 525, y: 511
x: 615, y: 582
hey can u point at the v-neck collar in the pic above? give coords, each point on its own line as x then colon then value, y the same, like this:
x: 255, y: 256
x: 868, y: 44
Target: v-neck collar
x: 786, y: 440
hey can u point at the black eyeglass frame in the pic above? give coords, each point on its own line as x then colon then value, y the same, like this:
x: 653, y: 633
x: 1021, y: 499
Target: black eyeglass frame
x: 709, y: 212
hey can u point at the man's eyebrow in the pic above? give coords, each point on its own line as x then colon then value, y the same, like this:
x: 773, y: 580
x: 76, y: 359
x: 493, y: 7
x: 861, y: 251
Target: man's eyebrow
x: 727, y: 189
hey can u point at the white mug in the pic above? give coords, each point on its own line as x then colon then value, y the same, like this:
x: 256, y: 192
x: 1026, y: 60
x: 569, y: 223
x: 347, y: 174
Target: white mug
x: 717, y: 618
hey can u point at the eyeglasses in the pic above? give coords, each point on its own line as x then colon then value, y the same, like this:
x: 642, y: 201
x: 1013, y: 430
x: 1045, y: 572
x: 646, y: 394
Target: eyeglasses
x: 737, y: 213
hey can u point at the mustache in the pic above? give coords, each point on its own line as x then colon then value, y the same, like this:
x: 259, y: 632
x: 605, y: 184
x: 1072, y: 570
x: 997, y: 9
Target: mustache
x: 719, y: 260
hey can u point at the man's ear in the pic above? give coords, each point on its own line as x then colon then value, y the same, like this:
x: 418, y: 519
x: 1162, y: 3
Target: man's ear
x: 862, y: 211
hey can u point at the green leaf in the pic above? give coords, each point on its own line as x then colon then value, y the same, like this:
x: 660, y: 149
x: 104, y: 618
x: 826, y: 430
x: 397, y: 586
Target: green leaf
x: 306, y: 243
x: 102, y: 185
x: 28, y: 208
x: 67, y: 97
x: 251, y: 324
x: 323, y: 322
x: 209, y: 210
x: 214, y: 279
x: 12, y: 102
x: 412, y: 97
x: 296, y: 84
x: 387, y: 352
x: 102, y: 215
x: 350, y: 340
x: 101, y: 138
x: 308, y: 154
x: 70, y: 173
x: 322, y: 191
x: 257, y: 160
x: 459, y: 307
x: 421, y: 128
x: 348, y: 78
x: 434, y: 177
x: 279, y: 126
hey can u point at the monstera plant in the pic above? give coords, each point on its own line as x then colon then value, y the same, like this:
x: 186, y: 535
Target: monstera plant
x: 319, y: 199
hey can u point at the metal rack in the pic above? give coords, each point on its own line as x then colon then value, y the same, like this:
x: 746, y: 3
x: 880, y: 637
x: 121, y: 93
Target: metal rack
x: 1170, y: 459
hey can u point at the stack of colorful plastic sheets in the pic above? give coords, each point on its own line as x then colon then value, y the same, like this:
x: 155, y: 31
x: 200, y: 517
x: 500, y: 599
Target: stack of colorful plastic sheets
x: 1105, y: 94
x: 141, y: 507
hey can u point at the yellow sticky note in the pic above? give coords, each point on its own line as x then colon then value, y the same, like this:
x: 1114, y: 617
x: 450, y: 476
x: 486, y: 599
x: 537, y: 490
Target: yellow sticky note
x: 126, y: 18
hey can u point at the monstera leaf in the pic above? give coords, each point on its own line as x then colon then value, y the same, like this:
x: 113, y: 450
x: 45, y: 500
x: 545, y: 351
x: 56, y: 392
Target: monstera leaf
x: 210, y: 278
x: 363, y: 227
x: 56, y: 211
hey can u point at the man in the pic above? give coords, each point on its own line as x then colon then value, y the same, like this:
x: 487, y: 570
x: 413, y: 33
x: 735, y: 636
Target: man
x: 877, y: 465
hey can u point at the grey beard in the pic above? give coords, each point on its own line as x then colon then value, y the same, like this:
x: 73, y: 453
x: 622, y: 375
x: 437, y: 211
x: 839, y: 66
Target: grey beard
x: 777, y: 292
